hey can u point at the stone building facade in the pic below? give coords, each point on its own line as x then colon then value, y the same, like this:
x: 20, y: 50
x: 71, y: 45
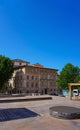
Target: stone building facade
x: 33, y: 79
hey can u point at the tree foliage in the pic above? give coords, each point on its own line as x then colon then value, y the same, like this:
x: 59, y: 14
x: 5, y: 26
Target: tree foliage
x: 6, y: 70
x: 69, y: 74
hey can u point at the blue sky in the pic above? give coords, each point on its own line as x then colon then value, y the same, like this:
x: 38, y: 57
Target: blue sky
x: 43, y: 31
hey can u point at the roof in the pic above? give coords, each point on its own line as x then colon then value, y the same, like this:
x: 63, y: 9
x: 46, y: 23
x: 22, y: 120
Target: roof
x: 38, y: 65
x: 18, y: 67
x: 19, y: 60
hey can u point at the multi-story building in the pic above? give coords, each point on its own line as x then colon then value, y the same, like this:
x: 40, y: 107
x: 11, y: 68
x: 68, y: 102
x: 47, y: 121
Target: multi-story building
x: 33, y: 78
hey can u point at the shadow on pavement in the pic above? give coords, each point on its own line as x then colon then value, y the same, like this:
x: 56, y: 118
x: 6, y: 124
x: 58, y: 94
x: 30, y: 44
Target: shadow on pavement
x: 16, y: 113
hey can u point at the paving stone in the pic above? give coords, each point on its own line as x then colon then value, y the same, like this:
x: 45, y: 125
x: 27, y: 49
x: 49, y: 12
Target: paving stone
x: 16, y: 113
x: 44, y: 120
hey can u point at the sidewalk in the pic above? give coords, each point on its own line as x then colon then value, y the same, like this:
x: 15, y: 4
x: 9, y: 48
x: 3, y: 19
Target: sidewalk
x: 35, y: 115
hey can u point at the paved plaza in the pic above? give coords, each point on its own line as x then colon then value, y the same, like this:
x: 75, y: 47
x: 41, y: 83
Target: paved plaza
x: 34, y: 115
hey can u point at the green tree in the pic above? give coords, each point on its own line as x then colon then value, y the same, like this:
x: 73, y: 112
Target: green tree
x: 6, y: 70
x: 69, y: 74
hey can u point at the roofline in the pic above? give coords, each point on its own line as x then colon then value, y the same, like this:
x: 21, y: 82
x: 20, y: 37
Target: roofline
x: 17, y: 60
x: 18, y: 67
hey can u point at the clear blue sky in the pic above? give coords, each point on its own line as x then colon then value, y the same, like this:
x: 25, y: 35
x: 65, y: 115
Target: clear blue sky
x: 43, y: 31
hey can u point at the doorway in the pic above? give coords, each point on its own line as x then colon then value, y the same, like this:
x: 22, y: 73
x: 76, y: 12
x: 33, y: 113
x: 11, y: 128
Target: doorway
x: 46, y: 91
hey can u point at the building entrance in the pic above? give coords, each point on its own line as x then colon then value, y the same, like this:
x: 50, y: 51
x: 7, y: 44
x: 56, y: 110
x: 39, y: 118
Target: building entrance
x: 46, y: 91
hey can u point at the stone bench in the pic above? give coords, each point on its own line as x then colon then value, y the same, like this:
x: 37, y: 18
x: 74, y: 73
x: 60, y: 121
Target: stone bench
x: 65, y: 112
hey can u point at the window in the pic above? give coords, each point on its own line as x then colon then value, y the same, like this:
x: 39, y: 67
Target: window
x: 27, y: 70
x: 32, y: 85
x: 36, y: 70
x: 27, y: 91
x: 27, y: 77
x: 20, y: 63
x: 32, y: 77
x: 27, y: 84
x: 36, y: 78
x: 36, y: 85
